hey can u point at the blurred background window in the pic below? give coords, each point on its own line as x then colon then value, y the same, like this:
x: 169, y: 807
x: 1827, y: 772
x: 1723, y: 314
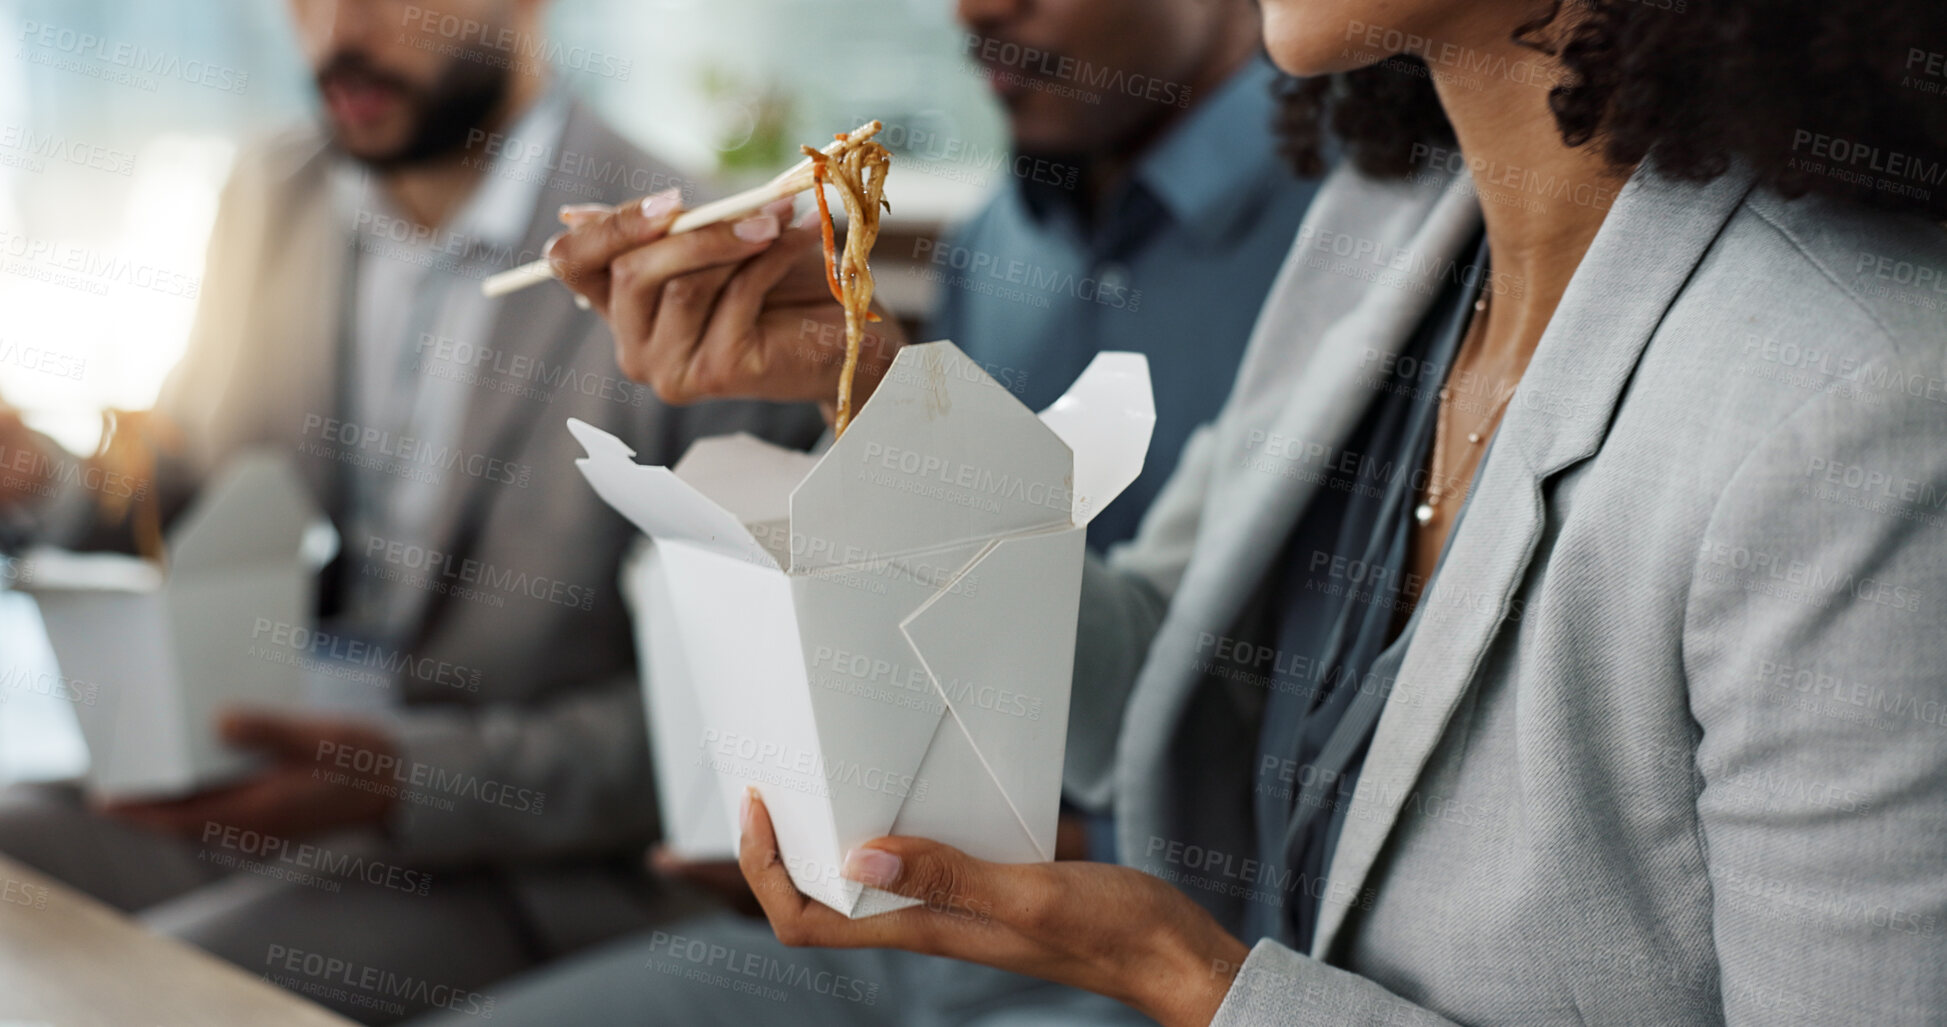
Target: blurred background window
x: 119, y: 121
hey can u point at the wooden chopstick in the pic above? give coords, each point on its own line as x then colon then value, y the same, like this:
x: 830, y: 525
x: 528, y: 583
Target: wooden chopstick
x: 790, y: 182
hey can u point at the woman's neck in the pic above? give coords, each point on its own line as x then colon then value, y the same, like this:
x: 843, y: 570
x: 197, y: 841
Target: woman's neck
x: 1542, y: 201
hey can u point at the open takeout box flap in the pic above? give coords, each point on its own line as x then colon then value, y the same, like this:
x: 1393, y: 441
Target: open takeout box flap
x: 745, y: 475
x: 258, y: 511
x: 257, y: 514
x: 660, y: 502
x: 940, y: 455
x: 1106, y: 419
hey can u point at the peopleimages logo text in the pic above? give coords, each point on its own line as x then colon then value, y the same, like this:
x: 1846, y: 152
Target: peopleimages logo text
x: 374, y: 768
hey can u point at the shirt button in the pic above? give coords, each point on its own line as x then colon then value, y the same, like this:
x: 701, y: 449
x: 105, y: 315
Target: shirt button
x: 1113, y: 278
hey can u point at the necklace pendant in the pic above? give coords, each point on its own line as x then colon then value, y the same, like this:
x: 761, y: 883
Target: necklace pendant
x: 1423, y: 514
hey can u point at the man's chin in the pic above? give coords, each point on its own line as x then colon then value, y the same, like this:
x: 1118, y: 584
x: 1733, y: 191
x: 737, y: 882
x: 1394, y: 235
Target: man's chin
x: 1051, y: 144
x: 1035, y: 129
x: 383, y: 153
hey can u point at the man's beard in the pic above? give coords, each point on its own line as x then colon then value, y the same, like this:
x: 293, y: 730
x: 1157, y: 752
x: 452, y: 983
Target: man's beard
x: 466, y: 94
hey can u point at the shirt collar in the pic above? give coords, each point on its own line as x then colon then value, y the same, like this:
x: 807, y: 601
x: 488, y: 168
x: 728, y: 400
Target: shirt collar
x: 1206, y: 168
x: 499, y: 211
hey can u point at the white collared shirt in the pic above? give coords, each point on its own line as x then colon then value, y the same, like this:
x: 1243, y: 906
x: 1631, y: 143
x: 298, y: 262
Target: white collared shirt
x: 417, y: 290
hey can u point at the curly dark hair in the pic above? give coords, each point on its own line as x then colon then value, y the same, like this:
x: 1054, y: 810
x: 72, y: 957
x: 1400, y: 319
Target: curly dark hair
x: 1842, y: 97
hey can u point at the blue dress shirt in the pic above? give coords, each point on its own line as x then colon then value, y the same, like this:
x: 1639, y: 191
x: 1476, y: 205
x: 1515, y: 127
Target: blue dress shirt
x: 1336, y: 657
x: 1173, y: 264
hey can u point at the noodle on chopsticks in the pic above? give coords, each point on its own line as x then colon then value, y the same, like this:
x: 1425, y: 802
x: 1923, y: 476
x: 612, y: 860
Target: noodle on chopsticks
x: 858, y: 172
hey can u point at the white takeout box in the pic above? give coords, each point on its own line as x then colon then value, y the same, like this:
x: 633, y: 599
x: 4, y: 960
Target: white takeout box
x: 168, y: 650
x: 881, y: 640
x: 689, y: 794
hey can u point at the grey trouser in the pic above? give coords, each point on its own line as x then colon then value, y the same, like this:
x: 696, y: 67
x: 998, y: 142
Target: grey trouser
x: 725, y: 970
x: 341, y: 923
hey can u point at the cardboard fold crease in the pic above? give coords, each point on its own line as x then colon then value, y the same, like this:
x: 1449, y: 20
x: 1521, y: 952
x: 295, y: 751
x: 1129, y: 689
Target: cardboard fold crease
x: 168, y: 650
x: 879, y: 639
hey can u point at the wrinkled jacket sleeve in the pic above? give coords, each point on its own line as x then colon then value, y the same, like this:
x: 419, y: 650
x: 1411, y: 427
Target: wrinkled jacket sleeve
x: 1123, y: 600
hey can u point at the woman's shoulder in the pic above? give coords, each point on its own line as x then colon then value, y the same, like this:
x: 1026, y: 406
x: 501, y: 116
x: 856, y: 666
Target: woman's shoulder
x: 1808, y: 330
x: 1834, y: 266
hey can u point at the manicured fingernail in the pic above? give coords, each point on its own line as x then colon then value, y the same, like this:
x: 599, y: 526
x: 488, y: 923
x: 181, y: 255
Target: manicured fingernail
x: 582, y: 302
x: 875, y: 867
x: 743, y: 812
x: 574, y: 214
x: 779, y: 209
x: 756, y: 229
x: 658, y: 204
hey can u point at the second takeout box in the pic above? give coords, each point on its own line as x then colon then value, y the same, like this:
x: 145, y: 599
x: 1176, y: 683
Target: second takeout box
x: 169, y: 651
x: 881, y: 639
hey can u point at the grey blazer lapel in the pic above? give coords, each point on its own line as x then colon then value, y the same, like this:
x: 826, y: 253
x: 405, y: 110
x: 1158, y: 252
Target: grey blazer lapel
x: 307, y: 281
x: 541, y: 322
x: 264, y: 358
x: 1326, y: 317
x: 1650, y: 243
x: 1320, y: 404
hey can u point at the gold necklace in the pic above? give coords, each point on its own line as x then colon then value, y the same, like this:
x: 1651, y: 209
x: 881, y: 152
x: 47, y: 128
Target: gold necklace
x: 1423, y: 514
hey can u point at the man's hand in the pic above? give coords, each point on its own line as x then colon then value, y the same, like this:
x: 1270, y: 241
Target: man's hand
x: 734, y: 310
x: 1108, y: 929
x: 300, y: 793
x: 24, y: 473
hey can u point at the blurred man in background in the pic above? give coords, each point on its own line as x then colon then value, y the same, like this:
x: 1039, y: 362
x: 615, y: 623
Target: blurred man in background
x: 1152, y: 215
x: 483, y: 807
x: 1159, y: 232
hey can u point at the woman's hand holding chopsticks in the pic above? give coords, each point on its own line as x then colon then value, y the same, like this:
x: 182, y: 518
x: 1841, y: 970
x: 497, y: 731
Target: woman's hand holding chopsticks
x: 732, y: 310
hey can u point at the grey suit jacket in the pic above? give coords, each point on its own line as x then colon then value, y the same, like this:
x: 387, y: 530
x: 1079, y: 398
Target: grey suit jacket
x: 1668, y: 744
x: 521, y: 723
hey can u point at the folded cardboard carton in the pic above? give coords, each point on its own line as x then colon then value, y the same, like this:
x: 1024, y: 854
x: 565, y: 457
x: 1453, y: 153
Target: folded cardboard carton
x: 168, y: 649
x: 880, y: 640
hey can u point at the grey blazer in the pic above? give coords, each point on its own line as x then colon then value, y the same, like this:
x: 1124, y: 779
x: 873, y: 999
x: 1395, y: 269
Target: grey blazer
x: 1670, y: 743
x: 543, y: 754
